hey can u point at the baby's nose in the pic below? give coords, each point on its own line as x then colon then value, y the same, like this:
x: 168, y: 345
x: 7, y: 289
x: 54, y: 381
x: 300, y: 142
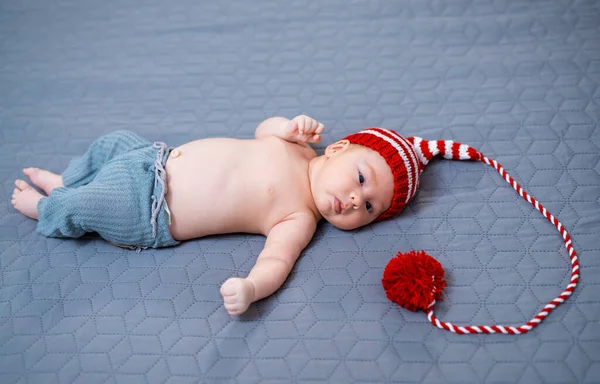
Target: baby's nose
x: 356, y: 199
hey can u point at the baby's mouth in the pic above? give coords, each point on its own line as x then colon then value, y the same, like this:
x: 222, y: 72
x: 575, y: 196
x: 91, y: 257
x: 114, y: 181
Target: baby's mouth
x: 337, y: 205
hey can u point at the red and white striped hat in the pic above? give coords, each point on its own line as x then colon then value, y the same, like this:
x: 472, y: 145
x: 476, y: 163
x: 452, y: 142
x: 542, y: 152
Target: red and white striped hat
x: 407, y: 158
x: 414, y: 280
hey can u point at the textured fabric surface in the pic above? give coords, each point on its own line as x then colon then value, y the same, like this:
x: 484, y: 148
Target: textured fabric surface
x: 517, y: 80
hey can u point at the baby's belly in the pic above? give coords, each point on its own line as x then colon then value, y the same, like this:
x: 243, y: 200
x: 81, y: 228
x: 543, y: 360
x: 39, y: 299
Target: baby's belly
x: 204, y: 200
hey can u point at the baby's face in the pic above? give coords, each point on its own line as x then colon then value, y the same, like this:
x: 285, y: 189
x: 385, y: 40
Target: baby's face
x: 353, y: 187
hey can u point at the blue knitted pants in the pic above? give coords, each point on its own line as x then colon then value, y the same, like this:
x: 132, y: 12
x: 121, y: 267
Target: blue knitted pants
x: 116, y: 189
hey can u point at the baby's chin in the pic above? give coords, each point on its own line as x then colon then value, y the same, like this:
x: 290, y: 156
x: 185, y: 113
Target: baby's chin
x: 337, y: 220
x: 340, y: 224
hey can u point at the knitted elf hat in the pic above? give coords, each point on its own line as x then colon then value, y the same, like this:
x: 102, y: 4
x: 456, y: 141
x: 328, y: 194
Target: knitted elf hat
x: 415, y: 280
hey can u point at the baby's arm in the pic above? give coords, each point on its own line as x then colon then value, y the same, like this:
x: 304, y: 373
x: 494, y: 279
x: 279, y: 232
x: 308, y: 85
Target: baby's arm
x: 301, y: 129
x: 284, y: 244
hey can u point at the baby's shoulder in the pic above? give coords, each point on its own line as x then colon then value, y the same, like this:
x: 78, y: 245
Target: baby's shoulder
x: 281, y: 152
x: 300, y: 225
x: 301, y: 151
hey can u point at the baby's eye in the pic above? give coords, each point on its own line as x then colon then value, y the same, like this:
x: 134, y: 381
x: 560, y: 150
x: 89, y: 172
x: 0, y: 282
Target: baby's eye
x: 369, y: 207
x: 361, y: 178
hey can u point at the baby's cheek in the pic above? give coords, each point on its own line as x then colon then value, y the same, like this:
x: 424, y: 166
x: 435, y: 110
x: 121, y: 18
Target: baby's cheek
x: 357, y: 221
x: 365, y: 219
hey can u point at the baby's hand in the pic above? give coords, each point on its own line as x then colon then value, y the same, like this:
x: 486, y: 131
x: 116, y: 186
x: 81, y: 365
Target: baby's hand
x: 237, y: 295
x: 304, y: 129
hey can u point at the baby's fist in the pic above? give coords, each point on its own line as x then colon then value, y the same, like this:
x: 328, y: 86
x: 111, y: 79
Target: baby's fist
x: 237, y: 295
x: 304, y: 129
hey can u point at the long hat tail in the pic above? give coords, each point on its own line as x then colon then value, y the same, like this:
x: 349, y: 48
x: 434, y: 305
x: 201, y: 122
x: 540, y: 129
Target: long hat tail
x: 452, y: 150
x: 425, y: 151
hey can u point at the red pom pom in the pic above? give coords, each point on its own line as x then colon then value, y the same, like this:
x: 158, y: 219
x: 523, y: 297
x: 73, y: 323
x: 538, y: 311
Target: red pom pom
x: 413, y: 280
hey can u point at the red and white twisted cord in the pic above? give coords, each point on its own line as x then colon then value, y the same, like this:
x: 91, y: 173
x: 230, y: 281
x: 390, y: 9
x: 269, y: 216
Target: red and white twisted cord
x: 551, y: 305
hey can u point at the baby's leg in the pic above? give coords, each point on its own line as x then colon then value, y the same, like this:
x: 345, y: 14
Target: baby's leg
x: 44, y: 179
x: 25, y: 199
x: 116, y: 205
x: 71, y: 212
x: 82, y: 170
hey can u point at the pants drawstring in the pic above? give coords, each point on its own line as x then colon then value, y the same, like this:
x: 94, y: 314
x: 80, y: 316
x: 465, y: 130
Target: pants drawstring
x: 160, y: 177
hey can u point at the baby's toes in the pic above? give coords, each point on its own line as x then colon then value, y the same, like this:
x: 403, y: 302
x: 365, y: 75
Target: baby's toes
x: 21, y: 185
x: 30, y: 171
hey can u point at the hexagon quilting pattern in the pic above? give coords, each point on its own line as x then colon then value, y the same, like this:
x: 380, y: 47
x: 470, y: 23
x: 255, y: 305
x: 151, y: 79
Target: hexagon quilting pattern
x: 517, y: 80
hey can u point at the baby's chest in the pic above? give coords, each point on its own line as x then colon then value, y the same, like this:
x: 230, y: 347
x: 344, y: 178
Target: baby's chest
x: 278, y: 187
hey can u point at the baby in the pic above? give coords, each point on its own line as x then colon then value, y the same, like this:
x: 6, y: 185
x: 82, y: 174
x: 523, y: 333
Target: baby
x: 139, y: 194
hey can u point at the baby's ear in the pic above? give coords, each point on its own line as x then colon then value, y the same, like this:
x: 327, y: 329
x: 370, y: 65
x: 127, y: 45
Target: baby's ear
x: 336, y: 148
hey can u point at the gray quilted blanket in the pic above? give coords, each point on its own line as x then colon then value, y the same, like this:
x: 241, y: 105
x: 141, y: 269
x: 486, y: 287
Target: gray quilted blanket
x: 518, y: 80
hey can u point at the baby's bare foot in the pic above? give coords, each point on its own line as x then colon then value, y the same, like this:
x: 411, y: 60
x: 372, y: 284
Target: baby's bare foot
x: 44, y: 179
x: 25, y: 199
